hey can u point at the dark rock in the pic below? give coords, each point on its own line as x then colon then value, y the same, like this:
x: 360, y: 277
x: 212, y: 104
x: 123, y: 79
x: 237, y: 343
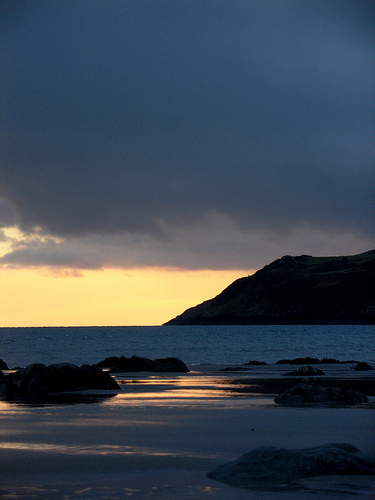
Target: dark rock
x: 307, y: 360
x: 122, y: 364
x: 3, y: 365
x: 303, y: 394
x: 311, y: 361
x: 234, y: 369
x: 362, y: 366
x: 298, y: 361
x: 306, y: 371
x: 275, y: 469
x: 3, y: 385
x: 138, y: 364
x: 170, y: 365
x: 255, y: 363
x: 38, y: 380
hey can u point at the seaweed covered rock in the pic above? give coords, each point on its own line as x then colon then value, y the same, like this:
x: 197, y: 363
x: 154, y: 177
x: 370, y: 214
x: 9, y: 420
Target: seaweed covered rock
x: 235, y: 369
x: 254, y: 362
x: 3, y: 365
x: 170, y: 365
x: 122, y: 364
x: 306, y: 371
x: 270, y: 468
x: 302, y: 394
x: 3, y: 385
x: 307, y: 360
x: 139, y: 364
x: 39, y: 380
x: 362, y: 366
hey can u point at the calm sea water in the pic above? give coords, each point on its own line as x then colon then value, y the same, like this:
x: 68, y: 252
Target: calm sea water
x: 193, y: 344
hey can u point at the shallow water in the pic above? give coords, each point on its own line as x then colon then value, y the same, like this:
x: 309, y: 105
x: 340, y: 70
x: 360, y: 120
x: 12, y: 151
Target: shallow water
x: 163, y: 448
x: 160, y: 436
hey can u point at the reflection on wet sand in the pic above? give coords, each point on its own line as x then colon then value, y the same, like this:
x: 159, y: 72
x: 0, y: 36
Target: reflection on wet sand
x: 160, y: 435
x: 101, y: 449
x: 153, y: 389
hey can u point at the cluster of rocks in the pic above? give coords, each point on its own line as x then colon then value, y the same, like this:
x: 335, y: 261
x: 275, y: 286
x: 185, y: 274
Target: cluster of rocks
x: 39, y: 380
x: 305, y: 394
x: 137, y: 364
x: 359, y: 366
x: 306, y: 371
x: 276, y: 469
x: 310, y: 361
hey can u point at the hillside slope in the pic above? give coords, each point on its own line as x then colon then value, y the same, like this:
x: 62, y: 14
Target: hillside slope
x: 295, y: 290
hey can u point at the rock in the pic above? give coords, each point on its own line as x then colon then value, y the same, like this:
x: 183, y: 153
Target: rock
x: 307, y: 361
x: 3, y: 385
x: 170, y: 365
x: 298, y: 361
x: 3, y: 365
x: 311, y: 361
x: 255, y: 363
x: 38, y: 380
x: 303, y: 394
x: 138, y: 364
x: 362, y: 366
x: 235, y: 369
x: 122, y: 364
x: 306, y: 371
x: 274, y: 469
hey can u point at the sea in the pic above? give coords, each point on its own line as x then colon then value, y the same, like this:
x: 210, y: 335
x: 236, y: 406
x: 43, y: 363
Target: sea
x: 195, y: 345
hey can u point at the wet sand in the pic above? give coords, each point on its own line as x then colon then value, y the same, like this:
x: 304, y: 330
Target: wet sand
x: 160, y: 436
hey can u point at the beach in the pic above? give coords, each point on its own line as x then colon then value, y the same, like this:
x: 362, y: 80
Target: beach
x: 161, y: 435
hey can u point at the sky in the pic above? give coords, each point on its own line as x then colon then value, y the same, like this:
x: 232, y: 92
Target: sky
x: 154, y: 151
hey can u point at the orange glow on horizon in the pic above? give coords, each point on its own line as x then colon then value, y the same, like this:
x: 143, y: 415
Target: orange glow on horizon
x: 110, y: 297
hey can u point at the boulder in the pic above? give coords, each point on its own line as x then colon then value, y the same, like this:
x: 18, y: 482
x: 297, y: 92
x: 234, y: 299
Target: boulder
x: 3, y: 365
x: 3, y: 385
x: 362, y: 366
x: 39, y: 380
x: 303, y: 394
x: 138, y: 364
x: 306, y: 371
x: 274, y: 469
x: 170, y: 365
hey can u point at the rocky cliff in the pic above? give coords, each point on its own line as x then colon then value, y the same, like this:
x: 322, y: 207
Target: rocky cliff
x: 295, y: 290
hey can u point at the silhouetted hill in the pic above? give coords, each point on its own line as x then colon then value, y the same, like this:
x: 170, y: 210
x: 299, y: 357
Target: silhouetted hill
x: 295, y: 290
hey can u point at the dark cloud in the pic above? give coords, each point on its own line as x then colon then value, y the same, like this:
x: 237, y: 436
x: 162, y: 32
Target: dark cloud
x: 143, y: 118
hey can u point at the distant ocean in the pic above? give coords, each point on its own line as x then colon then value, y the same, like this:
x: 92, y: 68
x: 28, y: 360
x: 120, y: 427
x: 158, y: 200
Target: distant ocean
x: 193, y: 344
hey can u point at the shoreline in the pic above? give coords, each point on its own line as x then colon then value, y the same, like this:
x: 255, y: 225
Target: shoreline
x: 161, y: 435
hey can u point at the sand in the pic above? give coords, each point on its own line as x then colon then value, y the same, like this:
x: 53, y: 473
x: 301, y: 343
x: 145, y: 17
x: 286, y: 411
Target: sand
x: 161, y: 435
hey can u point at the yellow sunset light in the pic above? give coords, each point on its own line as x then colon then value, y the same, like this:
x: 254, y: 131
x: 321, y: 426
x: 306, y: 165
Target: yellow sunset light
x: 147, y: 296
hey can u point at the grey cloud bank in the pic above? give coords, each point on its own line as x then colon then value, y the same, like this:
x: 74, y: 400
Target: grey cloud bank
x: 187, y: 134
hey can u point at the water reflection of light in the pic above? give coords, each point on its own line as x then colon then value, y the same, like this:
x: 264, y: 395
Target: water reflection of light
x: 166, y: 389
x: 100, y: 449
x: 159, y: 390
x: 187, y: 387
x: 174, y: 394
